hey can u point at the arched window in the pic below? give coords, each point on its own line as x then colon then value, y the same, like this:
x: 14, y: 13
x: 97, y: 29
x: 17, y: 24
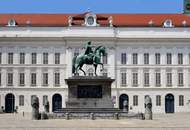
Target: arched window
x: 12, y: 22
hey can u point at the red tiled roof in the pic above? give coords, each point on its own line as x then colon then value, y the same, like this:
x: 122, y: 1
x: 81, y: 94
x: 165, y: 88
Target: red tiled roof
x: 102, y: 19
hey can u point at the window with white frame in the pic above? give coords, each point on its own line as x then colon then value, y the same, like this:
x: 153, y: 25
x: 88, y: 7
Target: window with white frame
x: 105, y: 72
x: 22, y: 58
x: 45, y: 98
x: 57, y: 58
x: 135, y: 100
x: 32, y: 97
x: 21, y: 100
x: 105, y: 58
x: 123, y: 78
x: 0, y: 58
x: 169, y: 58
x: 45, y: 79
x: 135, y: 79
x: 10, y: 79
x: 169, y: 79
x: 146, y: 58
x: 33, y: 79
x: 158, y: 100
x: 45, y: 58
x: 180, y: 58
x: 123, y: 58
x: 180, y: 79
x: 181, y: 100
x: 157, y: 58
x: 34, y: 58
x: 146, y: 79
x: 10, y: 58
x: 158, y: 78
x: 21, y: 79
x: 135, y: 58
x: 90, y: 72
x: 57, y: 79
x: 0, y: 78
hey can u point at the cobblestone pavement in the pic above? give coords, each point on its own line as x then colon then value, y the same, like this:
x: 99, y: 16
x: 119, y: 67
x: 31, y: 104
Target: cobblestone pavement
x: 177, y: 121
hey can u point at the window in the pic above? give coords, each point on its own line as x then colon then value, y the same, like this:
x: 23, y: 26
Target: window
x: 57, y: 79
x: 105, y: 58
x: 168, y: 23
x: 157, y: 58
x: 135, y: 58
x: 76, y: 53
x: 45, y: 98
x: 180, y: 79
x: 169, y: 79
x: 10, y: 79
x: 33, y: 96
x: 10, y: 58
x: 158, y: 78
x: 146, y: 58
x: 158, y: 100
x: 90, y: 72
x: 0, y: 58
x: 135, y: 100
x: 45, y: 79
x: 135, y: 79
x: 0, y: 79
x: 22, y: 58
x: 21, y: 100
x: 169, y: 58
x: 146, y: 79
x: 34, y: 58
x: 33, y: 79
x: 123, y: 78
x: 12, y: 22
x: 180, y: 58
x: 22, y: 78
x: 105, y: 73
x: 57, y: 58
x: 181, y: 100
x: 45, y: 58
x: 123, y: 58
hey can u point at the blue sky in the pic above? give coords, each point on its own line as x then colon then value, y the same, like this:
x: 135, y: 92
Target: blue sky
x: 97, y: 6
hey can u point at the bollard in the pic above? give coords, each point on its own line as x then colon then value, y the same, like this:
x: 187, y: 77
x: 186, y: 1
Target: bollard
x: 67, y: 116
x: 116, y: 116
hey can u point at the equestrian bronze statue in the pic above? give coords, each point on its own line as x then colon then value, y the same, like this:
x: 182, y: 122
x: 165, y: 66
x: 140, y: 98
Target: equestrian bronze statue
x: 89, y: 57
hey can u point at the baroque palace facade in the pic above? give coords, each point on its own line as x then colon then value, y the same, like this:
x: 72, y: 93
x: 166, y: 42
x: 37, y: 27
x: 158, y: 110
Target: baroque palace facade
x: 146, y: 55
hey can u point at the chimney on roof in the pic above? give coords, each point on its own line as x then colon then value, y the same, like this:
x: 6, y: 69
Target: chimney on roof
x: 110, y: 21
x: 70, y: 20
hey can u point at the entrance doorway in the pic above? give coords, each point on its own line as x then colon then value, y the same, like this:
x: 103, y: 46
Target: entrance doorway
x: 56, y: 102
x: 169, y: 103
x: 122, y: 98
x: 9, y: 103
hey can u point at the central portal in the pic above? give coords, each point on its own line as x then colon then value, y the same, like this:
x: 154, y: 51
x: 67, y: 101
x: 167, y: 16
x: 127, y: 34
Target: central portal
x: 89, y: 92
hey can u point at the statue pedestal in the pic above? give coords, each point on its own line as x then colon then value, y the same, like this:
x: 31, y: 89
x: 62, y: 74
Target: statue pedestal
x: 89, y: 92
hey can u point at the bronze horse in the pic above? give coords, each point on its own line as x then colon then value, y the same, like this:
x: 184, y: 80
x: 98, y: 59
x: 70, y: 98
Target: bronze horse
x: 95, y: 59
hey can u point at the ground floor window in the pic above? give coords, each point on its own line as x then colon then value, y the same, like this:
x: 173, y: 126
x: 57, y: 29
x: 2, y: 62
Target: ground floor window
x: 21, y: 100
x: 181, y: 100
x: 45, y: 98
x: 135, y: 100
x: 158, y: 100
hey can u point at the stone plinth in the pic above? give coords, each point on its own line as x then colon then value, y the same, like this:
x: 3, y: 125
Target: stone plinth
x: 89, y: 92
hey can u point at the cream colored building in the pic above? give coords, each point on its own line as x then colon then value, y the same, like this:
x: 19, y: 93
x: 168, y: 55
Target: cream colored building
x: 148, y: 57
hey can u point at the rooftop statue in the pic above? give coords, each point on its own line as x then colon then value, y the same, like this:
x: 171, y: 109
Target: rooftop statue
x: 89, y: 57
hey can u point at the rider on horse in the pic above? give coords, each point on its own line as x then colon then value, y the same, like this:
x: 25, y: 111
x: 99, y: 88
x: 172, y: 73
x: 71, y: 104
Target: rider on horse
x: 88, y: 51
